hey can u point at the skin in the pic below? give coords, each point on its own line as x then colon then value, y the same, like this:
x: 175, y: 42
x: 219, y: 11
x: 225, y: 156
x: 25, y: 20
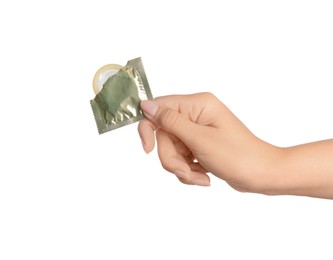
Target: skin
x: 197, y: 134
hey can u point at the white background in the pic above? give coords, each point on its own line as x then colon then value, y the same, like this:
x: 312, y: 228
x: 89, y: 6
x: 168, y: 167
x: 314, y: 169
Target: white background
x: 68, y: 193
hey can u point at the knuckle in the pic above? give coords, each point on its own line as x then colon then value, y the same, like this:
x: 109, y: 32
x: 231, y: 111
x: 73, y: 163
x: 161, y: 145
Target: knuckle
x: 208, y: 95
x: 168, y: 118
x: 165, y: 165
x: 184, y: 181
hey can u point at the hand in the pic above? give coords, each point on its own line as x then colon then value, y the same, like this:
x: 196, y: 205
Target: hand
x: 197, y: 134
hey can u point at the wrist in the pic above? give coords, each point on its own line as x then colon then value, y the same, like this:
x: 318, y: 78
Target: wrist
x: 263, y: 174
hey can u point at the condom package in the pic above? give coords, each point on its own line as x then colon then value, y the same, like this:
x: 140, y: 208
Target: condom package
x: 119, y: 91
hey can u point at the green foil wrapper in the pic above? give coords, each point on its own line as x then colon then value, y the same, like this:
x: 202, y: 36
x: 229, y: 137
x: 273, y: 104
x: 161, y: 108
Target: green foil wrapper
x: 118, y: 102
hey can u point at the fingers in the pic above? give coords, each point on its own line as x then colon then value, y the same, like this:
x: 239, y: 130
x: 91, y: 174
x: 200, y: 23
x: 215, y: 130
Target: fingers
x: 171, y: 121
x: 146, y: 131
x: 170, y: 158
x: 177, y: 118
x: 175, y: 162
x: 197, y: 167
x: 197, y: 178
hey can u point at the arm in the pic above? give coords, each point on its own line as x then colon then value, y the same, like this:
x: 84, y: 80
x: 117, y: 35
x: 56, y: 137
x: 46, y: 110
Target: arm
x: 306, y: 170
x: 197, y: 134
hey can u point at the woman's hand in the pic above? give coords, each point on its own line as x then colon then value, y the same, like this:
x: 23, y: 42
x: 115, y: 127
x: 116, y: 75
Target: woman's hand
x: 197, y: 134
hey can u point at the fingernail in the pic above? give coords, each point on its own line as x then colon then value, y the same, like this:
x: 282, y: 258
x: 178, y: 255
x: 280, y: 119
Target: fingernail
x: 149, y: 107
x: 181, y: 174
x: 201, y: 182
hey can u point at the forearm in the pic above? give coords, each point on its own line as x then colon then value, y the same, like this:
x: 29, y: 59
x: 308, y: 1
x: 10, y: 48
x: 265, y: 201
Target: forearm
x: 304, y: 170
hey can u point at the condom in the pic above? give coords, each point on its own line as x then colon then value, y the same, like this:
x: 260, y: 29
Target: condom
x: 119, y: 92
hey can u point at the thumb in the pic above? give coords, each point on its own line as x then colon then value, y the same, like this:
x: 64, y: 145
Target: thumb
x: 171, y: 121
